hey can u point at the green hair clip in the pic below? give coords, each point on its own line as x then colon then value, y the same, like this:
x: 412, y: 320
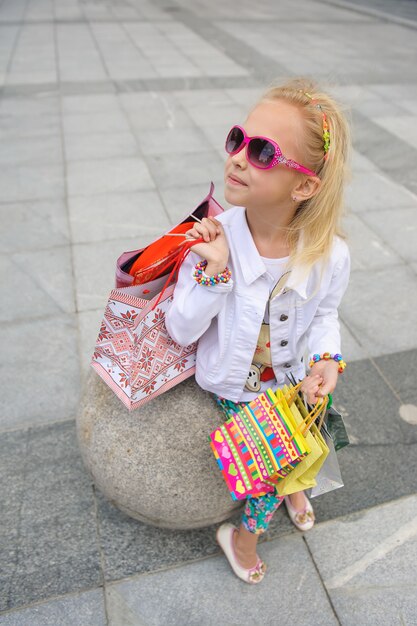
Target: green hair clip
x: 326, y: 130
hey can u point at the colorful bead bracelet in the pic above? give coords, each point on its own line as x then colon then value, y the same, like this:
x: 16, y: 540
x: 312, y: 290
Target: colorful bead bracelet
x: 326, y: 356
x: 203, y: 279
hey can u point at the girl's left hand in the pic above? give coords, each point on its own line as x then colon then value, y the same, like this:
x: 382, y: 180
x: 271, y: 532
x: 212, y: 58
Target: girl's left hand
x: 321, y: 380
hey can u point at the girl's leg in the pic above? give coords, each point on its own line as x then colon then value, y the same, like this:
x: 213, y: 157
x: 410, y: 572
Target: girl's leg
x: 298, y: 500
x: 255, y: 520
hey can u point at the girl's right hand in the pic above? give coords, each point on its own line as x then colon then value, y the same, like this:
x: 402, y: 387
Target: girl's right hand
x: 311, y: 387
x: 215, y: 249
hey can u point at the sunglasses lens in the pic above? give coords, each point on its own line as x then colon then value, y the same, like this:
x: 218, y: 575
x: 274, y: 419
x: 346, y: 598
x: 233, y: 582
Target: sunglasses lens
x: 234, y: 140
x: 261, y: 152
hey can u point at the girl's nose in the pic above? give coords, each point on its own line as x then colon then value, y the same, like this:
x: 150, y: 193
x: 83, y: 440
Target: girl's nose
x: 239, y: 159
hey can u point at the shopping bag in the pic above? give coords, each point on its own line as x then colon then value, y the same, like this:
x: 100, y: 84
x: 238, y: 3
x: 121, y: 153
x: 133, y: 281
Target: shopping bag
x: 329, y: 477
x: 336, y: 428
x: 139, y: 267
x: 258, y: 444
x: 303, y: 475
x: 134, y: 354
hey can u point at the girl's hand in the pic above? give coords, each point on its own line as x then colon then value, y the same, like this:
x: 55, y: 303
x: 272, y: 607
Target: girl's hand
x: 216, y: 248
x: 321, y: 381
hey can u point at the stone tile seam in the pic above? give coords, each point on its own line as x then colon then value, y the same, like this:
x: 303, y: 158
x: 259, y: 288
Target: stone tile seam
x: 27, y: 426
x: 102, y: 560
x: 147, y: 20
x: 363, y: 589
x: 138, y: 85
x: 376, y: 13
x: 385, y: 379
x: 326, y: 592
x: 14, y: 47
x: 49, y: 599
x: 19, y: 519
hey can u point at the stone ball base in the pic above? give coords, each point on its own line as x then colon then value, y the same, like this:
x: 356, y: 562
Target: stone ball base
x: 155, y: 463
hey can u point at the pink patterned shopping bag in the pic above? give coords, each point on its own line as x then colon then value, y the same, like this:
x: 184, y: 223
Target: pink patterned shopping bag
x: 134, y: 354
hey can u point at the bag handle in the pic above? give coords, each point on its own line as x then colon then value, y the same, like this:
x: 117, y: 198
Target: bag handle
x: 186, y: 249
x: 319, y: 408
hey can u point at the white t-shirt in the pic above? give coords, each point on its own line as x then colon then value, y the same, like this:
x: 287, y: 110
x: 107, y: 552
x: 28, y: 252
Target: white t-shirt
x: 261, y: 366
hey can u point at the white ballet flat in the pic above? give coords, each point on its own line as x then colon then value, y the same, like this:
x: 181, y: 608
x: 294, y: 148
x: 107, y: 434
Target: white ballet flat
x: 224, y: 538
x: 304, y: 519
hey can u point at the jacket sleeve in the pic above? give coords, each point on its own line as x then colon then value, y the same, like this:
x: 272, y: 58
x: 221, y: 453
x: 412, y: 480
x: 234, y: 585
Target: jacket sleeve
x: 324, y: 332
x: 194, y: 306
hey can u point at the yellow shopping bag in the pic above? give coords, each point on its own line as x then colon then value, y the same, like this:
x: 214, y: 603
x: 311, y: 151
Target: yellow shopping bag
x: 303, y: 475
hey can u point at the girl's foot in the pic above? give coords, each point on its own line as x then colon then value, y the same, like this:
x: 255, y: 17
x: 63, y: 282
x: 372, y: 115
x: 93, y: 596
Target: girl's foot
x: 302, y: 516
x: 225, y: 536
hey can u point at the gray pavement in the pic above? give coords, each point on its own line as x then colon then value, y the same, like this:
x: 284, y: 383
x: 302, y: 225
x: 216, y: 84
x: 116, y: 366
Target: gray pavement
x: 112, y: 122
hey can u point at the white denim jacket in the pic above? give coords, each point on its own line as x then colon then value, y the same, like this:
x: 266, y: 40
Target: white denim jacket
x: 226, y: 318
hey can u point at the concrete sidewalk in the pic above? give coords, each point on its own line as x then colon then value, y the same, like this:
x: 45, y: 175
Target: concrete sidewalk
x: 112, y: 123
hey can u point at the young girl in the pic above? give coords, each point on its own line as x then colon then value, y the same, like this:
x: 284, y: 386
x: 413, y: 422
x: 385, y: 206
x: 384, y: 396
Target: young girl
x: 264, y: 287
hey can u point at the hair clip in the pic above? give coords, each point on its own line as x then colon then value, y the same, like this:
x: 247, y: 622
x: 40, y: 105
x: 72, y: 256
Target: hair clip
x: 326, y: 131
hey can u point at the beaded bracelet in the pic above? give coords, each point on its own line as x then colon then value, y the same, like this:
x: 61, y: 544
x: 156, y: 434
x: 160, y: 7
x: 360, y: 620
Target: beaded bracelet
x: 326, y: 356
x: 203, y: 279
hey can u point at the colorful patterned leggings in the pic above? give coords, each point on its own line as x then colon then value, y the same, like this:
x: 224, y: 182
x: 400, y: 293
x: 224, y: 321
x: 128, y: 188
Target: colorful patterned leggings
x: 258, y: 510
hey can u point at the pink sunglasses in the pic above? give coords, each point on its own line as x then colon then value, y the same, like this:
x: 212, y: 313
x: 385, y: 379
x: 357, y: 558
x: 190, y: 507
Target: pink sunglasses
x: 261, y: 152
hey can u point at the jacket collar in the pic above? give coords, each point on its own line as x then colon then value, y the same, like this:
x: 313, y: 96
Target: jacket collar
x: 251, y: 264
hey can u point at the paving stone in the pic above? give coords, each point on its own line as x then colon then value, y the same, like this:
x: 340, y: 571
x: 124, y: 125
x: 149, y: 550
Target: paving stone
x: 373, y: 191
x: 46, y: 285
x: 200, y: 167
x: 371, y: 477
x: 131, y: 547
x: 361, y: 164
x: 81, y: 62
x: 31, y: 125
x: 33, y: 225
x: 351, y: 348
x: 373, y: 578
x: 91, y: 104
x: 400, y: 369
x: 395, y: 157
x: 100, y: 146
x: 172, y: 141
x: 178, y: 596
x: 55, y: 548
x: 88, y: 328
x: 158, y: 116
x: 98, y: 259
x: 39, y: 350
x: 108, y: 176
x: 403, y: 127
x: 398, y: 229
x: 75, y: 610
x: 376, y: 307
x: 367, y: 249
x: 28, y: 151
x: 32, y: 182
x: 98, y: 122
x: 368, y: 406
x: 114, y: 216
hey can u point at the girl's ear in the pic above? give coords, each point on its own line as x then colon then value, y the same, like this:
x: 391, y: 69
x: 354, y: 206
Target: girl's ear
x: 306, y: 188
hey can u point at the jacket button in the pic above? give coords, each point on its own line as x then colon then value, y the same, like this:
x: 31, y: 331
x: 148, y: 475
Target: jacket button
x: 284, y: 342
x: 287, y: 365
x: 283, y: 317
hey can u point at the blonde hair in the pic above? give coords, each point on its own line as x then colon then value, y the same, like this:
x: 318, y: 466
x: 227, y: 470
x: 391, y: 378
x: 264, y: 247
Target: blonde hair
x: 317, y: 219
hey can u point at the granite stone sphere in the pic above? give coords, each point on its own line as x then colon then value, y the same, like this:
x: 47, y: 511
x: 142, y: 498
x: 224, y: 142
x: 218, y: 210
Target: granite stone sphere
x: 155, y: 463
